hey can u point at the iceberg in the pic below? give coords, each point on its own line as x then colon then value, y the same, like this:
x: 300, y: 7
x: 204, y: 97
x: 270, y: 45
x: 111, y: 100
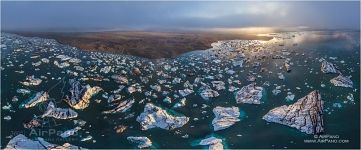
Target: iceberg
x: 106, y: 69
x: 185, y: 92
x: 214, y: 143
x: 80, y: 95
x: 36, y: 99
x: 154, y: 116
x: 23, y: 91
x: 225, y: 117
x: 59, y: 113
x: 22, y: 142
x: 141, y: 141
x: 181, y: 103
x: 287, y: 66
x: 250, y: 94
x: 342, y: 81
x: 31, y: 81
x: 122, y: 107
x: 120, y: 79
x: 32, y: 124
x: 219, y: 85
x: 70, y: 132
x: 61, y: 65
x: 120, y: 128
x: 305, y: 115
x: 327, y: 67
x: 208, y: 93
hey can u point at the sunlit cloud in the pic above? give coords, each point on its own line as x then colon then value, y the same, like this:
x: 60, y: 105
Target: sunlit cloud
x: 246, y: 30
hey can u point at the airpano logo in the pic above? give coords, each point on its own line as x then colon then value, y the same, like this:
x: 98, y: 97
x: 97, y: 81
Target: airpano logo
x: 47, y: 133
x: 326, y: 139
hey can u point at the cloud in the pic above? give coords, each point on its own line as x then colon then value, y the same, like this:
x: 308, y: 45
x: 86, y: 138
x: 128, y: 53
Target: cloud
x: 92, y: 15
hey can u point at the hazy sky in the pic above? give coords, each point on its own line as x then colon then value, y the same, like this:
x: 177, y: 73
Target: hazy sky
x: 82, y: 16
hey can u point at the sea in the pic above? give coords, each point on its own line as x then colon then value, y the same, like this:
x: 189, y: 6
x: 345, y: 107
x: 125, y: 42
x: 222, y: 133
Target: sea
x: 303, y: 50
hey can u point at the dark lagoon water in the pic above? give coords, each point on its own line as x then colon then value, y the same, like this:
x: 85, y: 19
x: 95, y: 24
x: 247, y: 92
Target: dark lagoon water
x: 303, y: 49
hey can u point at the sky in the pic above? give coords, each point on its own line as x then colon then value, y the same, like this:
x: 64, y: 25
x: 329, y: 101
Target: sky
x: 171, y: 15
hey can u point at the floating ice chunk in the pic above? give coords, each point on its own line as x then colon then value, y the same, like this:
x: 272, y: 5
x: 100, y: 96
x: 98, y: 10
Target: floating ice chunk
x: 238, y: 63
x: 181, y: 103
x: 276, y: 91
x: 219, y: 85
x: 176, y: 80
x: 287, y: 66
x: 36, y: 64
x: 156, y: 87
x: 281, y: 76
x: 70, y: 132
x: 231, y: 72
x: 63, y: 57
x: 232, y: 88
x: 32, y: 124
x: 250, y: 94
x: 45, y: 60
x: 80, y: 95
x: 106, y: 69
x: 350, y: 98
x: 79, y: 68
x: 136, y: 71
x: 35, y: 99
x: 225, y: 117
x: 185, y: 92
x: 59, y: 113
x: 61, y: 65
x: 74, y: 60
x: 251, y: 78
x: 89, y: 137
x: 208, y: 93
x: 290, y: 96
x: 115, y: 97
x: 131, y: 89
x: 336, y: 105
x: 217, y: 61
x: 305, y: 115
x: 122, y: 106
x: 141, y: 141
x: 31, y: 81
x: 167, y: 100
x: 214, y: 143
x: 327, y: 67
x: 154, y: 116
x: 7, y: 106
x: 7, y: 118
x: 342, y: 81
x: 22, y: 142
x: 277, y: 57
x: 120, y: 128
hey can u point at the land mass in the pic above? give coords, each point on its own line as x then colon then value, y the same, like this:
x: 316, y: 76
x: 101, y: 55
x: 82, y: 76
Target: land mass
x: 151, y: 45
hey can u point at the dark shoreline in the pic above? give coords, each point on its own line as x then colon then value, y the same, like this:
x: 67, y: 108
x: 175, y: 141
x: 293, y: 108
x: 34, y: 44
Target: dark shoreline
x: 152, y: 45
